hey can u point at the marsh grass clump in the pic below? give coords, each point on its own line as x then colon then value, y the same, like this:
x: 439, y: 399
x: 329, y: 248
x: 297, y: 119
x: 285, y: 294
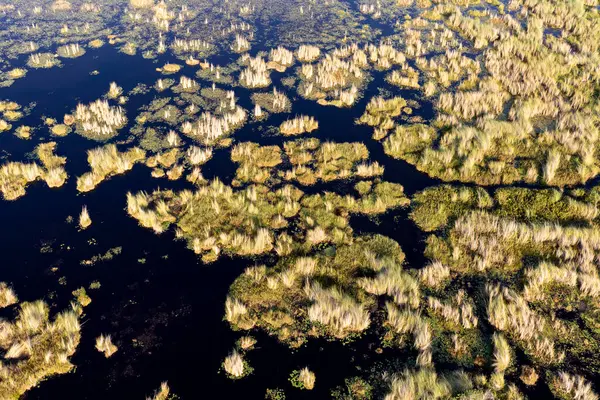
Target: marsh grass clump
x: 54, y: 173
x: 235, y: 366
x: 434, y: 274
x: 420, y: 384
x: 192, y: 47
x: 60, y: 5
x: 381, y: 114
x: 114, y: 91
x: 7, y: 295
x: 163, y: 392
x: 15, y: 176
x: 459, y: 310
x: 509, y: 312
x: 256, y: 162
x: 215, y: 218
x: 307, y: 53
x: 274, y: 297
x: 246, y: 343
x: 17, y: 73
x: 45, y: 153
x: 255, y: 75
x: 303, y: 379
x: 407, y: 77
x: 298, y: 125
x: 340, y: 312
x: 280, y: 59
x: 4, y: 126
x: 42, y: 60
x: 187, y: 85
x: 273, y: 102
x: 23, y: 132
x: 72, y: 50
x: 141, y: 3
x: 198, y: 156
x: 35, y: 347
x: 60, y: 130
x: 105, y: 345
x: 99, y: 120
x: 169, y: 69
x: 240, y: 44
x: 84, y: 218
x: 210, y: 129
x: 569, y: 386
x: 10, y: 111
x: 163, y: 84
x: 335, y: 80
x: 96, y: 43
x: 502, y: 359
x: 107, y: 161
x: 313, y: 161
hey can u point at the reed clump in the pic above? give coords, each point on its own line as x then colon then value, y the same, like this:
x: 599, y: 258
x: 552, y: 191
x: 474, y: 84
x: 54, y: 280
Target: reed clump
x: 163, y: 392
x: 114, y: 91
x: 303, y: 379
x: 235, y: 366
x: 7, y: 295
x: 307, y: 53
x: 335, y: 79
x: 272, y: 297
x: 210, y: 129
x: 235, y: 222
x: 569, y: 386
x: 72, y: 50
x: 273, y: 102
x: 105, y: 345
x: 313, y: 161
x: 241, y: 44
x: 107, y: 161
x: 298, y: 125
x: 42, y: 60
x: 84, y: 218
x: 99, y: 120
x: 257, y: 163
x: 15, y: 176
x: 381, y: 114
x: 36, y: 347
x: 489, y: 111
x: 255, y: 75
x: 280, y: 59
x: 54, y: 173
x: 339, y: 312
x: 141, y: 3
x: 420, y: 384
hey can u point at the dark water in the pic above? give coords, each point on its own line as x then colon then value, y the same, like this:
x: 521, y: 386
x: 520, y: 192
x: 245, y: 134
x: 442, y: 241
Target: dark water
x: 165, y: 313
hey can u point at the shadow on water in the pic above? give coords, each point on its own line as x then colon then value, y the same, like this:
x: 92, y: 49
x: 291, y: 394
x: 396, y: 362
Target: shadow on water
x: 163, y: 307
